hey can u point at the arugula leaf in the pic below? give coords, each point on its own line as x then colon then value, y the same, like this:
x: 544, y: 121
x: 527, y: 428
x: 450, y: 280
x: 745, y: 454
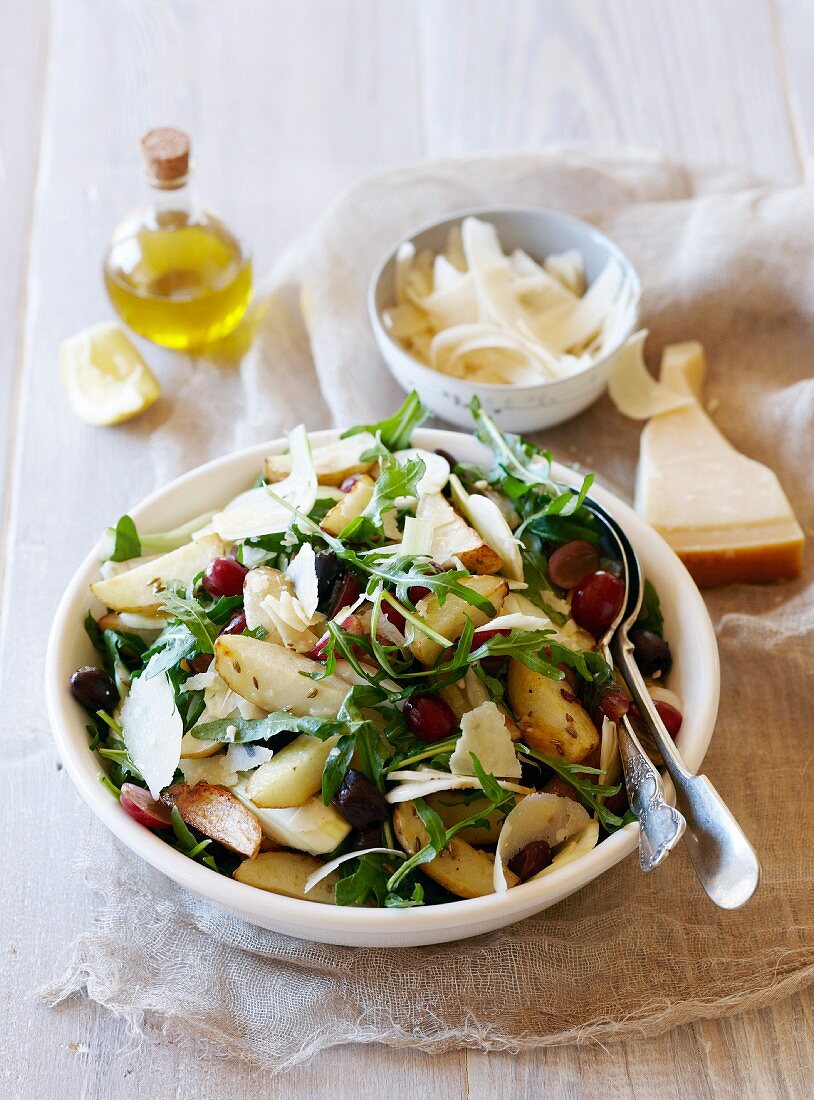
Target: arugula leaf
x: 580, y: 778
x: 396, y: 481
x: 184, y: 608
x: 241, y: 731
x: 396, y: 431
x: 562, y: 529
x: 94, y: 632
x: 535, y: 573
x: 336, y: 765
x: 186, y: 841
x: 436, y: 830
x: 120, y: 543
x: 650, y: 616
x: 396, y: 901
x: 524, y: 646
x: 514, y: 456
x: 175, y: 642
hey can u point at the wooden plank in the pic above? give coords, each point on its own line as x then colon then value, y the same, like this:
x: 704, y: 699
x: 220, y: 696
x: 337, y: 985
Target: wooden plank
x: 22, y: 78
x: 284, y: 111
x: 793, y: 28
x: 758, y: 1056
x: 696, y: 80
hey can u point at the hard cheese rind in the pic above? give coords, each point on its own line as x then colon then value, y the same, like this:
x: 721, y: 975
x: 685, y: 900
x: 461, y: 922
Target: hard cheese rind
x: 725, y: 515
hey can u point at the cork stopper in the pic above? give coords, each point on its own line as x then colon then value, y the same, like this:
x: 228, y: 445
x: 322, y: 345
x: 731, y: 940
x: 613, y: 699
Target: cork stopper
x: 165, y: 153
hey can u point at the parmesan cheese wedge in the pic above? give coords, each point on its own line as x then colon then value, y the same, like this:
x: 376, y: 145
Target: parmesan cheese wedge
x: 724, y: 514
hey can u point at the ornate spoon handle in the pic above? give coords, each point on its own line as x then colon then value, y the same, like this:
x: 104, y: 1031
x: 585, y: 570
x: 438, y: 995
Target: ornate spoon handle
x: 661, y: 825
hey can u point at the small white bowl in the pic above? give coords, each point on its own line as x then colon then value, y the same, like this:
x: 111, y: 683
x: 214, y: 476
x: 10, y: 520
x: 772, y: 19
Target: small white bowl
x: 524, y: 408
x: 695, y: 677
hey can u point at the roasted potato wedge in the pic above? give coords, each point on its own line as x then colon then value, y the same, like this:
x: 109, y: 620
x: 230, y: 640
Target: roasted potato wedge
x: 349, y: 507
x: 292, y: 775
x: 193, y: 748
x: 453, y: 537
x: 333, y: 462
x: 141, y: 589
x: 467, y: 694
x: 550, y: 717
x: 463, y: 870
x: 216, y: 813
x: 453, y: 806
x: 286, y: 873
x: 269, y: 676
x: 450, y: 617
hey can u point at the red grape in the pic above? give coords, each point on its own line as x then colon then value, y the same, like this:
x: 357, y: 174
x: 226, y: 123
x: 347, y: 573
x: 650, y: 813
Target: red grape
x: 429, y: 718
x: 492, y: 665
x: 236, y: 625
x: 393, y: 615
x: 571, y: 562
x: 670, y: 715
x: 145, y: 809
x: 353, y: 625
x: 613, y: 705
x: 349, y: 482
x: 597, y: 601
x: 224, y: 577
x: 200, y: 663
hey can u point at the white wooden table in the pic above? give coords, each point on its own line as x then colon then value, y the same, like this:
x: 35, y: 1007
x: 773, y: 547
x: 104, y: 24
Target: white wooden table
x: 289, y: 101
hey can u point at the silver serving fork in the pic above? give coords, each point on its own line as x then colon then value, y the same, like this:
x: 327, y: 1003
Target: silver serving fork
x: 725, y: 862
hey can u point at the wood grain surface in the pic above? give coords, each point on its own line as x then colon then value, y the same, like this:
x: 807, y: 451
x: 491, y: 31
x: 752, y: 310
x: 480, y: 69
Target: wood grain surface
x: 288, y: 102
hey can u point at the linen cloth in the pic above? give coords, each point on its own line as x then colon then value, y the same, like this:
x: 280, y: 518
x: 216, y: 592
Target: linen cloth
x: 631, y: 954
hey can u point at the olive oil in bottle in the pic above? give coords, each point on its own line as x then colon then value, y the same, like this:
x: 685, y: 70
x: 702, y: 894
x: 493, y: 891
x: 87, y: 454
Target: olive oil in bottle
x: 174, y: 272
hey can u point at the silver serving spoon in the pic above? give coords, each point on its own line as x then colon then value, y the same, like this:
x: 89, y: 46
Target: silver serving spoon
x: 725, y: 862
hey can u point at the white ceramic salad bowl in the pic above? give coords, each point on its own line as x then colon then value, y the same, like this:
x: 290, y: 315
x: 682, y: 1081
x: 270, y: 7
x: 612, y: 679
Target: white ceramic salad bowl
x: 695, y: 676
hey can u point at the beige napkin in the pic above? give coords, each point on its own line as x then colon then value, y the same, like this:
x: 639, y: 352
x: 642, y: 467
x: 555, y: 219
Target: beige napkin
x: 630, y: 954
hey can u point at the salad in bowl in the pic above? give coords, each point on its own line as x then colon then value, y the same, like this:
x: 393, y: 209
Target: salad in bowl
x: 374, y: 677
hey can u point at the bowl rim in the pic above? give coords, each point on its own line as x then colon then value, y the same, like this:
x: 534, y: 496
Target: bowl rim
x: 467, y: 386
x: 68, y: 730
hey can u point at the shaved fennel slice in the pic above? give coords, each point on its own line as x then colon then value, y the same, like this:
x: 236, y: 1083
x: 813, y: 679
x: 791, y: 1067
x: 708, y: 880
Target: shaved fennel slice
x: 450, y: 349
x: 491, y: 525
x: 404, y: 262
x: 567, y: 327
x: 405, y: 321
x: 446, y: 276
x: 332, y: 864
x: 610, y: 762
x: 542, y: 816
x: 302, y: 572
x: 568, y: 269
x: 412, y: 788
x: 256, y: 513
x: 633, y: 389
x: 577, y: 846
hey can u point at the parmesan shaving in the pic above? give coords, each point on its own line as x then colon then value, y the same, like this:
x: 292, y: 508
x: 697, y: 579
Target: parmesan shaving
x: 484, y: 734
x: 544, y: 816
x: 633, y: 389
x: 152, y: 730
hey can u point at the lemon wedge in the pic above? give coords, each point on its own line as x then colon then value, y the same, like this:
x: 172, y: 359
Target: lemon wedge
x: 105, y: 377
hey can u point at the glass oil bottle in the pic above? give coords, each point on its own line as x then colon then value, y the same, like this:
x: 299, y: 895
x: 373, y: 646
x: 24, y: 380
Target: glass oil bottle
x: 174, y: 272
